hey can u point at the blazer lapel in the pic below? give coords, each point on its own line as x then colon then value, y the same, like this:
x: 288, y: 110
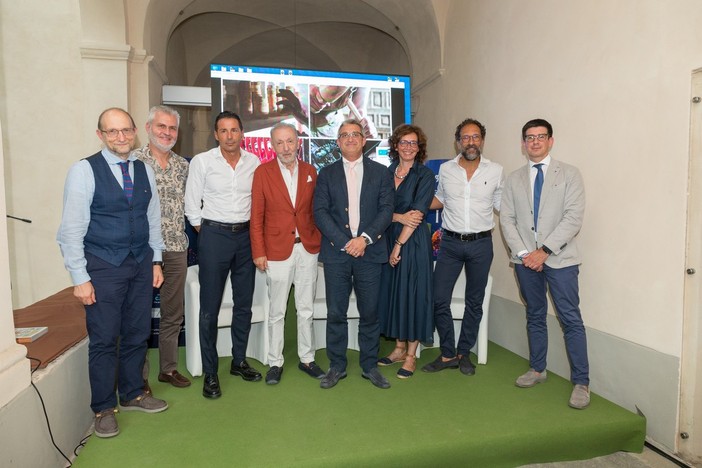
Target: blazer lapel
x: 301, y: 184
x: 526, y: 184
x: 341, y: 176
x: 279, y: 182
x: 552, y: 178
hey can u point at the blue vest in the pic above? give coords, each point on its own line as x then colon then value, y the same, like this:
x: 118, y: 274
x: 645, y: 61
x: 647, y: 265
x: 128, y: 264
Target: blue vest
x: 117, y: 228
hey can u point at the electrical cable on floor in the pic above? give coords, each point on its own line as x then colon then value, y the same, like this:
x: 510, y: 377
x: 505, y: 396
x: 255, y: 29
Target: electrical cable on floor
x: 81, y: 444
x: 43, y: 407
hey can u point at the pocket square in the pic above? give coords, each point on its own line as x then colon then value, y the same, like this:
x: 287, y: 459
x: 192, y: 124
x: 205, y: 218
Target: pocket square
x: 309, y: 178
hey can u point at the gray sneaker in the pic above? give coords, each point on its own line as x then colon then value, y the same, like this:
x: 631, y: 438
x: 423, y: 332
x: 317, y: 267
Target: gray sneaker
x: 145, y: 403
x: 106, y: 423
x: 531, y: 378
x: 580, y: 398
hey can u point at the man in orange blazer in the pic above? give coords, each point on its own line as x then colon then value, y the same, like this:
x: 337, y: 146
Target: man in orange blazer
x: 285, y: 243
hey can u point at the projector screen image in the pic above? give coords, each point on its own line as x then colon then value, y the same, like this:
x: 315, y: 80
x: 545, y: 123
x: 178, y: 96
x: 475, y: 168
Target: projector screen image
x: 315, y: 102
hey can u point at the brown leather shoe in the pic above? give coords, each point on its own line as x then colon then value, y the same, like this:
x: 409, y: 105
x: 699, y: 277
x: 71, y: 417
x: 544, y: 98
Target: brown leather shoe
x: 175, y: 378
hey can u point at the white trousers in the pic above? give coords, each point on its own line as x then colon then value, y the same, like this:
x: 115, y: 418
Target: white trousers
x: 299, y: 269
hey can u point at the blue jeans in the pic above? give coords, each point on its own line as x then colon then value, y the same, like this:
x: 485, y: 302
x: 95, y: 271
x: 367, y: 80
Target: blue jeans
x: 364, y: 277
x: 563, y: 284
x: 455, y: 255
x: 219, y: 253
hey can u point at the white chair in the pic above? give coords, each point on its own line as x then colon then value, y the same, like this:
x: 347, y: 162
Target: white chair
x: 458, y: 306
x: 320, y: 315
x: 258, y: 337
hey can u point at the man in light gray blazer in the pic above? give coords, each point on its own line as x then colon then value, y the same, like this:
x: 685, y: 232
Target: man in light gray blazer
x: 542, y: 211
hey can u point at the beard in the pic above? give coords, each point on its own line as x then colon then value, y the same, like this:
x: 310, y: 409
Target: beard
x: 154, y: 141
x: 470, y: 156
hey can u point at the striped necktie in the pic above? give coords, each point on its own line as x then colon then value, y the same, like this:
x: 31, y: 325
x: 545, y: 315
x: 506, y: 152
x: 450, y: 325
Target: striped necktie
x: 128, y: 185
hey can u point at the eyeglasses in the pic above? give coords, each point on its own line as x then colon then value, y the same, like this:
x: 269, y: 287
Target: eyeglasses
x: 345, y: 136
x: 113, y: 132
x: 540, y: 137
x: 467, y: 138
x: 410, y: 143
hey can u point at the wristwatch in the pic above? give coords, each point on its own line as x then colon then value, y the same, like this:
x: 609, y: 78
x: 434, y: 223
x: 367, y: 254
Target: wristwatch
x: 546, y: 249
x: 158, y: 263
x: 368, y: 241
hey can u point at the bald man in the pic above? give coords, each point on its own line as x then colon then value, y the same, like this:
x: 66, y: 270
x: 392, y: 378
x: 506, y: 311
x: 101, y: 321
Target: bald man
x: 110, y: 238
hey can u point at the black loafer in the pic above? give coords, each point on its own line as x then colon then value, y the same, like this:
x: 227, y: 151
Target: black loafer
x: 311, y: 369
x: 273, y: 375
x: 376, y: 378
x: 439, y: 364
x: 211, y: 387
x: 245, y: 371
x: 332, y: 378
x: 465, y: 366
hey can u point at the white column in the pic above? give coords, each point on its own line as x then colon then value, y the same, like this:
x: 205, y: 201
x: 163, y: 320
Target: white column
x: 14, y: 368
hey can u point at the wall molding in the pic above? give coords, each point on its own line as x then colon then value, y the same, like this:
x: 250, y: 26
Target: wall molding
x: 105, y: 51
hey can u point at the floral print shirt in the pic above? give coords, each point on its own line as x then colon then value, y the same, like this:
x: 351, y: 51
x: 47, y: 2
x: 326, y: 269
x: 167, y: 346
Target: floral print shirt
x: 170, y: 183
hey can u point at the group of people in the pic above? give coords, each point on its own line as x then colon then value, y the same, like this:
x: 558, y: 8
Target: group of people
x: 122, y: 234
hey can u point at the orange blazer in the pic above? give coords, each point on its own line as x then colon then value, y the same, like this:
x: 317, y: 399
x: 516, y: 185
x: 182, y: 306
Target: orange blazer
x: 273, y: 217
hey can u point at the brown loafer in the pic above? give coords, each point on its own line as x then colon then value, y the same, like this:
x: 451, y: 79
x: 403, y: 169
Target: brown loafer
x: 175, y: 378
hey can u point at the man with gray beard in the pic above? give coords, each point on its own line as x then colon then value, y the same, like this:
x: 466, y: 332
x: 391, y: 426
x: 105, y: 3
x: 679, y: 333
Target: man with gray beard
x: 470, y: 188
x: 171, y: 173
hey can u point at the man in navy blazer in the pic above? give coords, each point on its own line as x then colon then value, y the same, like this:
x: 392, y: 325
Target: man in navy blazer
x: 353, y: 205
x: 543, y: 204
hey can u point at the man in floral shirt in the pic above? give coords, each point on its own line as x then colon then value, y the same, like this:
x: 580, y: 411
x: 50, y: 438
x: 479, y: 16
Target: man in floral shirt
x: 171, y: 173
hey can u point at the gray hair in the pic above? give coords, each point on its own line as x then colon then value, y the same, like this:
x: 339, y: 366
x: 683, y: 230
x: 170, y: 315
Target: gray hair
x: 280, y: 125
x: 166, y: 110
x: 350, y: 122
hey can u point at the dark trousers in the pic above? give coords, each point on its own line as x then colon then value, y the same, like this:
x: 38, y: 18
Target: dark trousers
x: 119, y: 324
x: 563, y: 284
x: 221, y: 252
x: 339, y: 278
x: 175, y: 268
x: 455, y: 255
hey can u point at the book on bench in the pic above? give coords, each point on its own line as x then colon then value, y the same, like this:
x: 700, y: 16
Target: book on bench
x: 29, y: 334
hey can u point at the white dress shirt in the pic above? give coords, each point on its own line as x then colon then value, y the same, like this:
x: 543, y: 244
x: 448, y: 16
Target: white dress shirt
x: 290, y: 179
x: 358, y: 169
x: 217, y: 192
x: 532, y: 172
x: 468, y: 205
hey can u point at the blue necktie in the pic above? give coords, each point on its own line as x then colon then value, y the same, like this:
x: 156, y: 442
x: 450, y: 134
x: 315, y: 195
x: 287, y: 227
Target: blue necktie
x: 128, y: 185
x: 538, y: 184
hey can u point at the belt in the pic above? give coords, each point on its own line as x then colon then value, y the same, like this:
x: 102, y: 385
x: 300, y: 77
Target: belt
x: 467, y: 237
x: 298, y: 240
x: 233, y: 227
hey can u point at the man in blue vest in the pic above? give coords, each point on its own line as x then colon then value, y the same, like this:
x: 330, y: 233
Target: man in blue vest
x: 110, y: 238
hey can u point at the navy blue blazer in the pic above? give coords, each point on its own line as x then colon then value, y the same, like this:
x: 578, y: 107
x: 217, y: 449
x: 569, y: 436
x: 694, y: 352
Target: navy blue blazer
x: 331, y: 211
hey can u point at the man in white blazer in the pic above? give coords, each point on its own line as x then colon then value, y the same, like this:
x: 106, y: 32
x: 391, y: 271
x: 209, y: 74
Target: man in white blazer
x: 542, y: 211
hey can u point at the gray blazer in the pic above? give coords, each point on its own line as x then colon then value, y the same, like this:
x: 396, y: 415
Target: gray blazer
x: 560, y: 213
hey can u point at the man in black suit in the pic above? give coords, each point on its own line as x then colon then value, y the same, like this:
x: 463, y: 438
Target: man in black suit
x: 353, y: 205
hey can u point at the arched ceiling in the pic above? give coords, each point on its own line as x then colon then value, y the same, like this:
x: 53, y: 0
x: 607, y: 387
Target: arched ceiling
x: 377, y: 36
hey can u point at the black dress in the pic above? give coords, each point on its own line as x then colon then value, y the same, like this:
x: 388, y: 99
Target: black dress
x: 406, y: 302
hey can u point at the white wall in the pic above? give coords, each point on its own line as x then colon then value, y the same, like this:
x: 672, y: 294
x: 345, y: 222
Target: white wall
x: 614, y: 80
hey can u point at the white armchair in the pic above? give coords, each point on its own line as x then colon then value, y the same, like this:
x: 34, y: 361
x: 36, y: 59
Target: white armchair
x: 258, y: 337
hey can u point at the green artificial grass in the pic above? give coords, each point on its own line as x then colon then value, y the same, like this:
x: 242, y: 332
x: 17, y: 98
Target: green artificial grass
x: 442, y: 419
